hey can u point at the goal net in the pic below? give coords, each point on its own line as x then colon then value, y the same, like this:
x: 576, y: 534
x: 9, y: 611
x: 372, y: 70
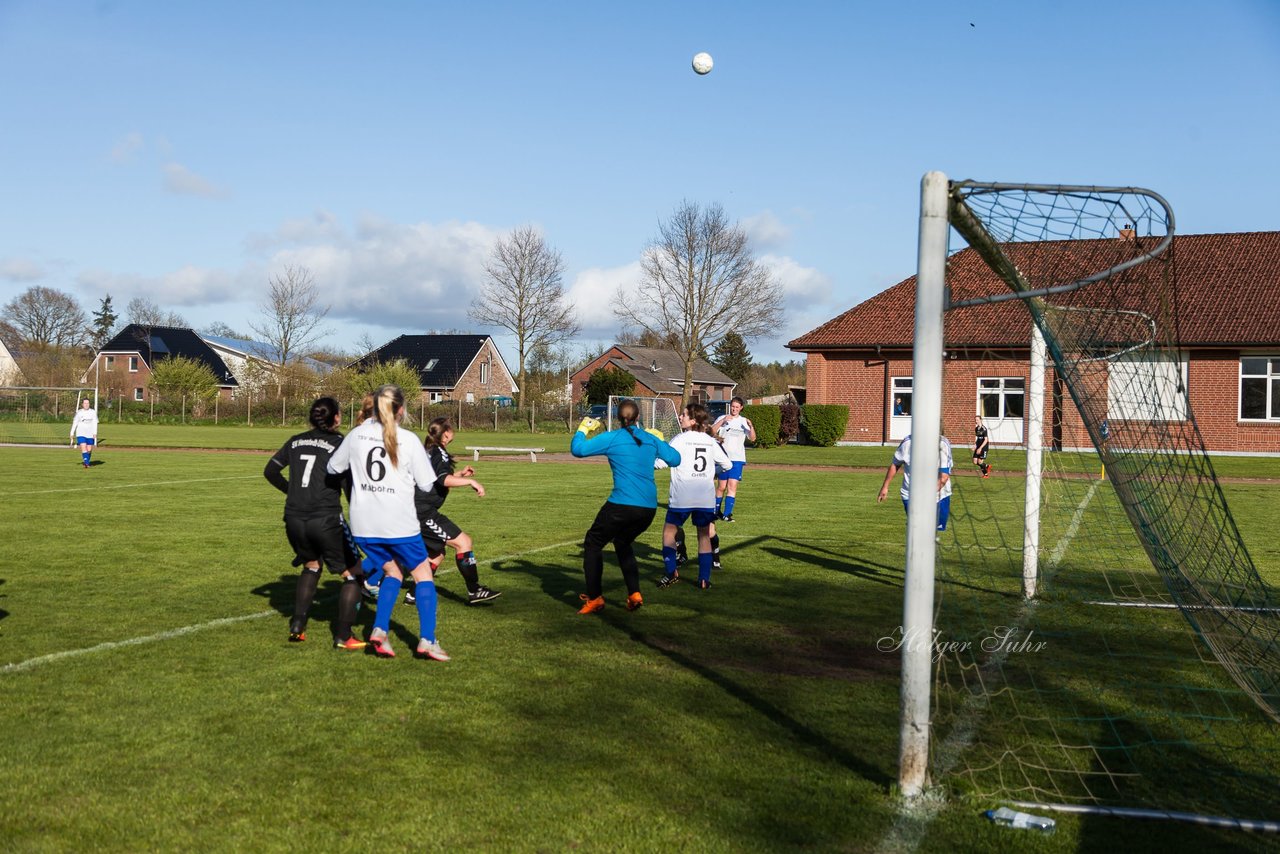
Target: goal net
x: 39, y: 415
x: 657, y: 413
x: 1104, y: 638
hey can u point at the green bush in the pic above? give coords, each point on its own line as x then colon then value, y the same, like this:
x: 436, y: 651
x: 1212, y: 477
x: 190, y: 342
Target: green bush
x: 767, y: 420
x: 824, y: 423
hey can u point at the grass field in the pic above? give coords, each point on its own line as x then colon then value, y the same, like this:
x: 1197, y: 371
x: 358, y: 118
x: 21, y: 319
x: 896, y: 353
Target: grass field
x: 152, y: 703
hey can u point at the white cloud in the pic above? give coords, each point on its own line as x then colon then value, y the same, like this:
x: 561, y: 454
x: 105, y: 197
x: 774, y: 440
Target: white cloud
x: 801, y: 286
x: 182, y: 181
x: 20, y: 270
x: 765, y: 231
x: 592, y: 293
x: 186, y: 286
x: 127, y: 146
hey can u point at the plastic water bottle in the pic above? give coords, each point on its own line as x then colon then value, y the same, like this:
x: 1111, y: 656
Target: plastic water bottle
x: 1013, y: 818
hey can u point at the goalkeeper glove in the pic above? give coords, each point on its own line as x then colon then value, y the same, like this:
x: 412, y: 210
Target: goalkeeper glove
x: 588, y: 425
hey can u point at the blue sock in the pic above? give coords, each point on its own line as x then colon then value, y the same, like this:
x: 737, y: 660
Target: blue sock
x: 425, y: 591
x: 387, y: 593
x: 375, y: 577
x: 85, y: 456
x: 669, y: 559
x: 704, y: 566
x: 728, y: 505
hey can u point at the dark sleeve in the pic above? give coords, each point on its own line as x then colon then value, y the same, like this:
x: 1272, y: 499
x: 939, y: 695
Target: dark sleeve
x: 275, y: 467
x: 442, y: 471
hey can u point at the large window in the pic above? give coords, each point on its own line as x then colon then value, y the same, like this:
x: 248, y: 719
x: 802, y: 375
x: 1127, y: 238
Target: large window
x: 1147, y: 388
x: 901, y: 402
x: 1259, y: 388
x: 484, y: 373
x: 1001, y: 397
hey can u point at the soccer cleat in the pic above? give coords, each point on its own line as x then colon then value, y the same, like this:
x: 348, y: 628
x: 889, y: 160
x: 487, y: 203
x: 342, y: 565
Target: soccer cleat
x: 370, y: 591
x: 482, y: 594
x: 704, y: 584
x: 728, y: 518
x: 987, y: 473
x: 634, y: 601
x: 592, y: 605
x: 668, y: 580
x: 351, y: 643
x: 297, y: 637
x: 297, y: 630
x: 381, y: 645
x: 410, y: 599
x: 715, y: 562
x: 431, y: 650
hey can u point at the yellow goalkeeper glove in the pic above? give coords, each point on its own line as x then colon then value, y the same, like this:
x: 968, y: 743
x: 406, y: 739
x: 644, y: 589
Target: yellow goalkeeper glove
x: 657, y: 434
x: 588, y: 425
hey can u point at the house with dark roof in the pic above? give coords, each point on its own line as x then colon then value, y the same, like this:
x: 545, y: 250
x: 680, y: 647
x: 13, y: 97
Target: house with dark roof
x: 1228, y: 307
x: 658, y: 373
x: 125, y: 362
x: 465, y: 368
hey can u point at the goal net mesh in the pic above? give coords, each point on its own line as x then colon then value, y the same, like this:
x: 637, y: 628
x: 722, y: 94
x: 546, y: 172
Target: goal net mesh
x: 1143, y: 670
x: 657, y: 413
x: 39, y: 415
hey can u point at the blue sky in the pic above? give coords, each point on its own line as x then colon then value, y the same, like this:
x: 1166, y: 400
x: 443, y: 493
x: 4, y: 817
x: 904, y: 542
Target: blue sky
x: 184, y: 152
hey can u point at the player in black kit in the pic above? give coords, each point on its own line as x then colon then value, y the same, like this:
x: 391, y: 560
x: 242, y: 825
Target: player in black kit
x: 438, y: 530
x: 980, y: 446
x: 313, y: 520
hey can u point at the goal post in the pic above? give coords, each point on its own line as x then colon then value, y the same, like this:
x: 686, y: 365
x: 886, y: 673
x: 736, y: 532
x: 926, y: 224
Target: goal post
x: 658, y: 413
x: 39, y: 415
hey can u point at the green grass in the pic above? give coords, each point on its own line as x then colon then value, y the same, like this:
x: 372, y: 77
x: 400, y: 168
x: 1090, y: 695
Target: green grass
x: 758, y: 715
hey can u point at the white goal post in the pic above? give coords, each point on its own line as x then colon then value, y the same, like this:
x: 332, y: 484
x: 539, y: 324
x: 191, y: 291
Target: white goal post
x: 658, y: 413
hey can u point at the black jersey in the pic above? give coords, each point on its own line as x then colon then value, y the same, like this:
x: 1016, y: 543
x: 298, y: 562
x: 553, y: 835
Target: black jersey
x: 311, y: 489
x: 979, y: 436
x: 442, y: 464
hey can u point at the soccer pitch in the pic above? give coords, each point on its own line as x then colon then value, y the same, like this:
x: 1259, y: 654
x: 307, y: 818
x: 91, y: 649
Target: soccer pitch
x: 152, y: 703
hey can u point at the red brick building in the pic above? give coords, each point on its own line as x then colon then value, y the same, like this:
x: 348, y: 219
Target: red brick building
x: 1228, y: 307
x: 124, y: 363
x: 658, y: 373
x: 465, y: 368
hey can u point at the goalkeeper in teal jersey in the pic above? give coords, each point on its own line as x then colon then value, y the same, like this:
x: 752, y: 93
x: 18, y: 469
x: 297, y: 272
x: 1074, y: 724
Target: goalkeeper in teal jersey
x: 630, y: 507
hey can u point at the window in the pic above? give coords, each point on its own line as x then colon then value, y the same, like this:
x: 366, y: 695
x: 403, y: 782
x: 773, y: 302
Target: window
x: 436, y: 397
x: 133, y: 366
x: 471, y: 398
x: 431, y: 363
x: 109, y: 363
x: 901, y: 403
x: 1259, y: 388
x: 1147, y: 387
x: 137, y: 394
x: 484, y: 373
x: 1001, y: 397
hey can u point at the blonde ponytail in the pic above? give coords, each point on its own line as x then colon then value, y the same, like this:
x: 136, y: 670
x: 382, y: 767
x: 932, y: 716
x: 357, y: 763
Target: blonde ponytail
x: 390, y: 402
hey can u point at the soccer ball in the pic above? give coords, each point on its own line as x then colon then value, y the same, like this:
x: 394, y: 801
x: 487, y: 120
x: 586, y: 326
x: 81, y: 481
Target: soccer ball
x: 702, y: 63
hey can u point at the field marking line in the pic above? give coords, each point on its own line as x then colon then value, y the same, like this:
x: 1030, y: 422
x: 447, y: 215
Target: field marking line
x: 31, y: 663
x: 915, y: 816
x: 139, y: 485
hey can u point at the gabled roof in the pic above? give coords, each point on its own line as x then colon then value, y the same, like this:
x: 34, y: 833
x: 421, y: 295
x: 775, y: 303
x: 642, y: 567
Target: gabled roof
x: 156, y: 343
x: 669, y: 376
x: 440, y: 360
x: 1227, y: 291
x: 244, y: 348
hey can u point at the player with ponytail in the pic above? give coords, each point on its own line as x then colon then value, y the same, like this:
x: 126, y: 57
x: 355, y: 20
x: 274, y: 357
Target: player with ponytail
x: 313, y: 520
x: 387, y: 465
x: 630, y: 507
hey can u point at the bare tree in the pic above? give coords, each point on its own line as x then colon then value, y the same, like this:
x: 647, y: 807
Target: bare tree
x: 699, y: 281
x: 144, y: 312
x: 524, y: 294
x: 291, y: 314
x: 43, y: 318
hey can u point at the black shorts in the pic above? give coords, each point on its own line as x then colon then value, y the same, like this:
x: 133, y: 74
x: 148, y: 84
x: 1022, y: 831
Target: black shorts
x: 437, y: 529
x: 979, y: 455
x: 322, y: 538
x: 619, y: 524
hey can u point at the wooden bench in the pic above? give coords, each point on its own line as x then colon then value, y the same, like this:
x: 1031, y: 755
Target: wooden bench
x: 532, y: 452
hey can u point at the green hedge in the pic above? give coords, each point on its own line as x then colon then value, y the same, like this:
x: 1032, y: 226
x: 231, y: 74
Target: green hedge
x: 824, y: 423
x: 767, y: 421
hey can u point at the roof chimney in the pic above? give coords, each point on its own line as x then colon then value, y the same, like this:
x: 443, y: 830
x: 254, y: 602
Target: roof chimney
x: 1127, y: 233
x: 653, y: 366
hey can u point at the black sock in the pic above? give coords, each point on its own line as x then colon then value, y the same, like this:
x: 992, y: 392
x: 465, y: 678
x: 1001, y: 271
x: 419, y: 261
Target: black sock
x: 303, y: 596
x: 715, y: 545
x: 348, y: 602
x: 467, y: 568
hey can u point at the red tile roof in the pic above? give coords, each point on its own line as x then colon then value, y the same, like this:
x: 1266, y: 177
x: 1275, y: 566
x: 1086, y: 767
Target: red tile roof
x: 1227, y: 290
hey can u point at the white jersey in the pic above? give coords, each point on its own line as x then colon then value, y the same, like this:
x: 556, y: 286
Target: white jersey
x: 382, y: 494
x: 733, y: 429
x: 693, y: 482
x: 85, y: 423
x: 902, y: 457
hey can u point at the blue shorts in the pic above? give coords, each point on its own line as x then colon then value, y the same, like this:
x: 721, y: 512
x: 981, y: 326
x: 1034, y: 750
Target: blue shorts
x: 734, y: 472
x: 408, y: 552
x: 84, y: 440
x: 944, y: 511
x: 701, y: 518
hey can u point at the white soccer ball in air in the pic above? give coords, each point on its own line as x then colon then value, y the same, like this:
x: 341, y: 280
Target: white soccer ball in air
x: 702, y: 63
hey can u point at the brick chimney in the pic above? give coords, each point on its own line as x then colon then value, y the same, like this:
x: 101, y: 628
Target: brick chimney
x: 1127, y: 233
